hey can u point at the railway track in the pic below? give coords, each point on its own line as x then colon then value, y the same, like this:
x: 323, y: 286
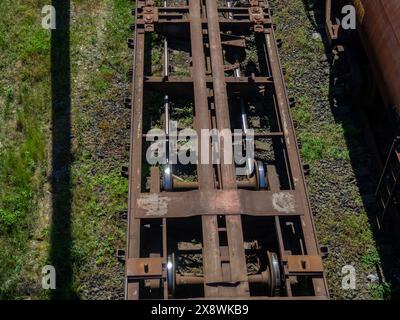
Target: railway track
x: 219, y: 235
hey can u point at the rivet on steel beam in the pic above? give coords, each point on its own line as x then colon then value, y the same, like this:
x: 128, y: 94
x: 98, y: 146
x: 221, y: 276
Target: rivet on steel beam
x: 292, y: 102
x: 129, y: 74
x: 299, y: 144
x: 125, y: 171
x: 123, y: 215
x: 120, y: 255
x: 128, y: 103
x: 324, y: 252
x: 131, y: 44
x: 306, y: 169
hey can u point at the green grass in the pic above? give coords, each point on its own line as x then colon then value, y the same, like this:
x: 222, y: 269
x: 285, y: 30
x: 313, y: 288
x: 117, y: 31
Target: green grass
x: 370, y: 259
x: 381, y: 291
x: 24, y: 113
x: 98, y: 41
x: 326, y: 144
x: 181, y: 68
x: 302, y: 112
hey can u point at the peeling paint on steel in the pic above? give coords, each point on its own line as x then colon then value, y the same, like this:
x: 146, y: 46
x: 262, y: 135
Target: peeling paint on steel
x: 283, y: 202
x: 154, y: 205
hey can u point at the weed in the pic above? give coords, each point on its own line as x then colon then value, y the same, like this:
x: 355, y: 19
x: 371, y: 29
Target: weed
x: 24, y: 56
x: 381, y: 291
x: 370, y: 259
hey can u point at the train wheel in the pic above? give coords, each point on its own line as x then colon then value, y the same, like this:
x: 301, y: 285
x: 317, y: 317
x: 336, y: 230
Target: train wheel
x: 274, y: 283
x: 171, y: 269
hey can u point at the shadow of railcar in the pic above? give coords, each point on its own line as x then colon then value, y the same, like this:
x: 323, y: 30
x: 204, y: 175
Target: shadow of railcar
x: 60, y: 238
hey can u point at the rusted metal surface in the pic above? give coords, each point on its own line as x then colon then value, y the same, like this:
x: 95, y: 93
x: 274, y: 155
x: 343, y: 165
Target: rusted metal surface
x: 212, y: 263
x: 303, y: 264
x: 378, y: 24
x: 217, y: 202
x: 331, y: 26
x: 379, y: 28
x: 135, y: 166
x: 228, y: 179
x: 256, y: 231
x: 138, y: 268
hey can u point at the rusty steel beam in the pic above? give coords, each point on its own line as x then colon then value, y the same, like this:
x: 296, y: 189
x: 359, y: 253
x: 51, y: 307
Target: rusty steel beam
x: 229, y: 80
x: 238, y: 269
x: 211, y: 254
x: 135, y: 165
x: 293, y: 157
x: 184, y: 85
x: 217, y: 202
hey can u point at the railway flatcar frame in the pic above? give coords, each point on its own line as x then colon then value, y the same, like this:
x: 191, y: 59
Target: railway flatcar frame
x: 218, y: 205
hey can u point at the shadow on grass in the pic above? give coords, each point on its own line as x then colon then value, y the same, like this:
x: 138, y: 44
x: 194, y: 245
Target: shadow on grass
x: 363, y: 157
x: 60, y: 242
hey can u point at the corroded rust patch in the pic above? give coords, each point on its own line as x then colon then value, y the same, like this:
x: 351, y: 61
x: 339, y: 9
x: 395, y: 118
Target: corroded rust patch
x: 154, y: 204
x: 283, y: 202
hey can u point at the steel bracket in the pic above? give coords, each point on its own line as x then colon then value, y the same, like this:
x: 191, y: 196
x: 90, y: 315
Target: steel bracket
x: 256, y: 15
x: 145, y: 268
x: 303, y: 265
x: 237, y: 43
x: 230, y: 67
x: 150, y: 16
